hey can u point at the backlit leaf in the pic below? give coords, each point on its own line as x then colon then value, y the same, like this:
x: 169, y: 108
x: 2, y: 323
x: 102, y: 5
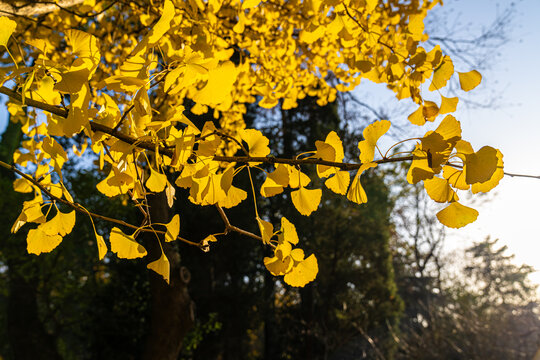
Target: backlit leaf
x: 156, y: 181
x: 303, y: 273
x: 161, y: 266
x: 267, y: 230
x: 7, y: 27
x: 456, y: 215
x: 439, y: 190
x: 356, y: 192
x: 306, y: 201
x: 481, y: 165
x: 469, y: 80
x: 257, y: 142
x: 38, y: 241
x: 372, y: 133
x: 339, y: 183
x: 125, y: 246
x: 173, y: 228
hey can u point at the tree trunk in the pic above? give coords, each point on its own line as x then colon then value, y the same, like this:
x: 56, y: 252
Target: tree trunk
x: 27, y: 336
x: 171, y: 309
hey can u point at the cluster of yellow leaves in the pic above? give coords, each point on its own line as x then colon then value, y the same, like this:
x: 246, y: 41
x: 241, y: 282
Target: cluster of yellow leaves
x: 462, y: 168
x: 124, y: 84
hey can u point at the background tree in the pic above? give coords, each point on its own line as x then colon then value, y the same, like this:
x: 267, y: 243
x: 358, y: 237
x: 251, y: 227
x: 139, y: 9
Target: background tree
x: 128, y: 105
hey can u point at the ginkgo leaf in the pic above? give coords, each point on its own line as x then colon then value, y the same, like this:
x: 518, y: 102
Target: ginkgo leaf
x: 289, y: 231
x: 297, y: 255
x: 448, y: 105
x: 439, y: 190
x: 297, y: 178
x: 22, y: 185
x: 8, y: 26
x: 102, y: 247
x: 220, y: 85
x: 306, y: 201
x: 443, y: 73
x: 480, y: 165
x: 469, y: 80
x: 278, y: 266
x: 455, y: 177
x: 302, y: 273
x: 40, y: 242
x: 356, y: 192
x: 430, y: 110
x: 324, y: 152
x: 257, y: 142
x: 494, y: 180
x: 417, y: 117
x: 156, y: 181
x: 125, y: 246
x: 456, y: 215
x: 61, y: 224
x: 372, y: 133
x: 173, y: 228
x: 339, y: 183
x: 267, y: 230
x: 161, y: 266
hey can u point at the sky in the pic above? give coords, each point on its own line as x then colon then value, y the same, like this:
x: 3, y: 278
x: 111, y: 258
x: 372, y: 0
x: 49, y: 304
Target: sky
x: 512, y: 213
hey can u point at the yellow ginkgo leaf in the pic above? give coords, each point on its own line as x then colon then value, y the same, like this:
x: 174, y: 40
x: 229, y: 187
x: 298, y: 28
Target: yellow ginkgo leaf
x: 324, y: 152
x: 303, y: 273
x: 339, y: 182
x: 219, y: 86
x: 267, y: 230
x: 430, y: 110
x: 125, y: 246
x: 448, y: 105
x: 40, y: 242
x: 22, y: 185
x: 8, y: 26
x: 161, y: 266
x: 297, y: 178
x: 480, y: 166
x: 469, y: 80
x: 173, y: 228
x: 156, y: 182
x: 443, y: 73
x: 455, y: 177
x: 494, y: 180
x: 306, y: 201
x: 439, y: 190
x: 416, y: 26
x: 61, y: 224
x: 257, y: 142
x: 297, y: 255
x: 372, y: 133
x: 456, y: 215
x: 102, y: 247
x: 333, y: 140
x: 449, y: 129
x: 278, y: 266
x: 289, y: 231
x: 417, y: 117
x: 356, y: 192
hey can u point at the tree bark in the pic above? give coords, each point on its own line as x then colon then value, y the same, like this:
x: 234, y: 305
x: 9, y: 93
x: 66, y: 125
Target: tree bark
x: 171, y: 309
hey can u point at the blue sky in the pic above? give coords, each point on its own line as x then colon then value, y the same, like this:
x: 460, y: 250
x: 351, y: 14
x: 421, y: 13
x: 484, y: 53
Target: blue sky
x: 512, y: 213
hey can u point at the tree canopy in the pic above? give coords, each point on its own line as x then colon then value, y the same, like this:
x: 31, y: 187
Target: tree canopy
x: 113, y: 79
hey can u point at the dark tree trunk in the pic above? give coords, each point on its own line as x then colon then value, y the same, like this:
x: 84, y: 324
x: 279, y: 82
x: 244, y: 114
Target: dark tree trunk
x: 171, y: 309
x: 27, y: 336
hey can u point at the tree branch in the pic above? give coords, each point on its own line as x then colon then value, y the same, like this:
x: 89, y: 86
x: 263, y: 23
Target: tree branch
x: 32, y: 8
